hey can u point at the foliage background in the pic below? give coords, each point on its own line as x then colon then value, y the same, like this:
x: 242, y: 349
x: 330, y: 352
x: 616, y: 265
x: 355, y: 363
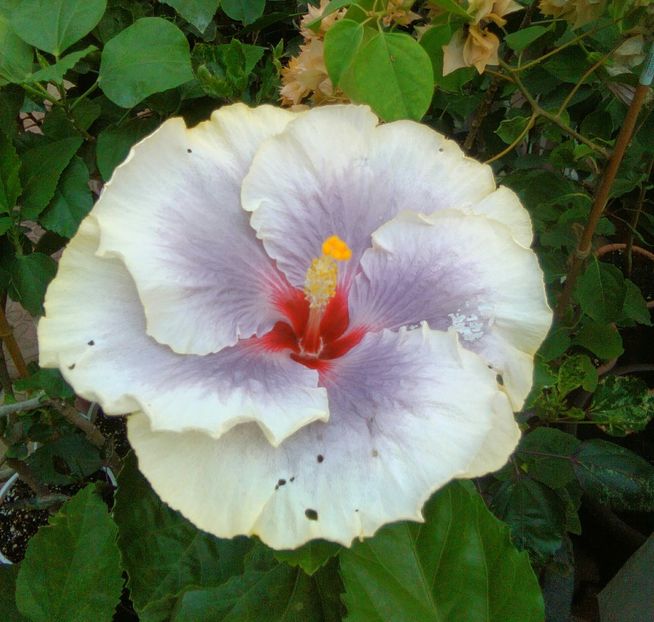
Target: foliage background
x: 82, y: 80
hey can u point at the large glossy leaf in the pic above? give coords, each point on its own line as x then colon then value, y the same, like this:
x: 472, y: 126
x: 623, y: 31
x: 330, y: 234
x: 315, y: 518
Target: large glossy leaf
x: 71, y: 571
x: 150, y: 56
x: 40, y: 172
x: 245, y: 11
x: 71, y: 202
x: 342, y: 41
x: 54, y: 25
x: 535, y: 513
x: 311, y: 556
x: 162, y: 552
x: 29, y: 278
x: 615, y: 476
x: 9, y: 180
x: 546, y: 454
x: 197, y: 12
x: 601, y: 291
x: 275, y: 593
x: 8, y: 608
x: 394, y: 75
x: 459, y: 565
x: 15, y: 55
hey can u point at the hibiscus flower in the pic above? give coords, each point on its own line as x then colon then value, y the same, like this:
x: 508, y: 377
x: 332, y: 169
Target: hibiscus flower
x: 314, y: 319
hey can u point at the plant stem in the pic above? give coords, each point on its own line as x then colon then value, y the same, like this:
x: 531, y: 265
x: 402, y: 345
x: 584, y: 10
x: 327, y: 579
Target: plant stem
x: 7, y: 335
x: 25, y: 473
x: 635, y: 218
x: 611, y: 248
x: 517, y: 141
x: 31, y: 404
x: 541, y: 112
x: 601, y: 197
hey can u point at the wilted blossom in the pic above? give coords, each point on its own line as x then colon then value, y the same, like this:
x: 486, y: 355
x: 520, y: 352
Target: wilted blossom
x: 475, y: 45
x: 314, y: 319
x: 305, y: 75
x: 576, y: 12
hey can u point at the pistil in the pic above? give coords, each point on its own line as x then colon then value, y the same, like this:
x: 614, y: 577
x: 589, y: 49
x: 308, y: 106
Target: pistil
x: 319, y: 288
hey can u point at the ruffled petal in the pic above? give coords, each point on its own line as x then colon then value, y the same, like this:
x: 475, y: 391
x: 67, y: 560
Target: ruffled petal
x: 465, y: 271
x: 334, y: 171
x: 94, y: 331
x: 410, y: 410
x: 172, y: 213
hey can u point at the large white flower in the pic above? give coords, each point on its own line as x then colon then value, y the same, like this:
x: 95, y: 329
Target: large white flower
x: 316, y: 320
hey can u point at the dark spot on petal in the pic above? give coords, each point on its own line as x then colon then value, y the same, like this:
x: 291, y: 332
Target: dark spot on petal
x: 91, y: 343
x: 441, y: 149
x: 499, y: 379
x: 356, y: 510
x: 281, y: 482
x: 375, y: 453
x: 189, y: 151
x: 71, y: 366
x: 292, y: 479
x: 311, y: 514
x: 320, y: 458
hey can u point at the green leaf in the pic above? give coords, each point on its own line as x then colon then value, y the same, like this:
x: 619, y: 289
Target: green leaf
x: 16, y: 56
x: 615, y: 476
x: 197, y: 12
x: 545, y: 455
x: 622, y: 405
x: 458, y: 565
x: 342, y: 41
x: 29, y: 278
x: 433, y: 41
x: 150, y: 56
x: 11, y: 100
x: 601, y: 291
x: 49, y: 380
x: 510, y: 129
x: 576, y: 371
x: 42, y: 167
x: 393, y: 74
x: 114, y: 143
x: 56, y: 72
x: 162, y: 552
x: 224, y: 71
x: 58, y: 124
x: 71, y: 571
x: 8, y: 574
x: 311, y: 556
x: 72, y: 201
x: 603, y: 340
x: 10, y: 188
x: 555, y: 344
x: 245, y: 11
x: 54, y: 25
x: 452, y: 7
x: 524, y: 37
x: 535, y: 513
x: 275, y: 594
x: 65, y: 460
x: 332, y: 7
x: 635, y: 305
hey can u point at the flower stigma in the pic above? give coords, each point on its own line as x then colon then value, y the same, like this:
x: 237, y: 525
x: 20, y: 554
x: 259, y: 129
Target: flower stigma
x: 319, y: 288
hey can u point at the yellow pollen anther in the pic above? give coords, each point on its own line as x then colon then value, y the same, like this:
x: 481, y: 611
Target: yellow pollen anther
x: 334, y: 247
x: 322, y: 276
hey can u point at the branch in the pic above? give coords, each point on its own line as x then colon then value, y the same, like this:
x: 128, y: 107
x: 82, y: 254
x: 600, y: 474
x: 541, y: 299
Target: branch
x: 31, y: 404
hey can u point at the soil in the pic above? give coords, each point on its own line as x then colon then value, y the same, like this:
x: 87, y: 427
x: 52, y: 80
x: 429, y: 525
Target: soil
x: 19, y: 523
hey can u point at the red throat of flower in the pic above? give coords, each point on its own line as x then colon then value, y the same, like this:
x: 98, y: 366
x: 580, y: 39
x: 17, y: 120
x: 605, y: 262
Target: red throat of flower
x: 318, y: 317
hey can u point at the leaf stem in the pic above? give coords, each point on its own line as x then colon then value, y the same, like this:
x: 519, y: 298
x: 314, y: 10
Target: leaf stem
x: 601, y: 197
